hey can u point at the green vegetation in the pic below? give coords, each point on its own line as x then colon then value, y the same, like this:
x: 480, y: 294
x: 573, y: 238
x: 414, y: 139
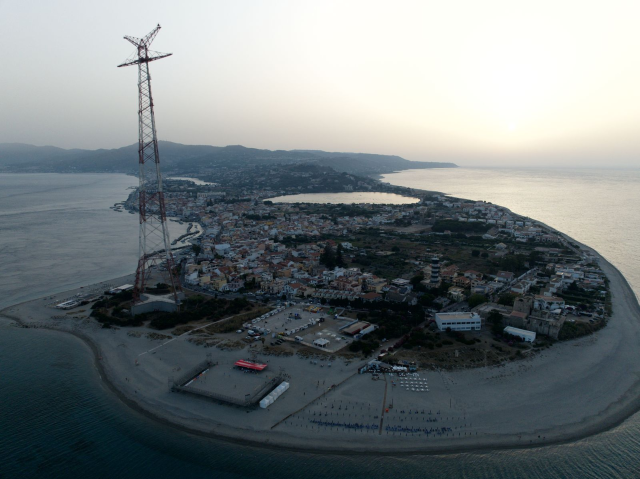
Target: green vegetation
x: 366, y: 346
x: 419, y: 338
x: 476, y: 300
x: 495, y: 320
x: 456, y: 226
x: 514, y: 263
x: 578, y: 329
x: 114, y: 311
x: 507, y: 299
x: 392, y: 324
x: 331, y: 258
x: 196, y: 308
x: 426, y: 299
x: 460, y: 337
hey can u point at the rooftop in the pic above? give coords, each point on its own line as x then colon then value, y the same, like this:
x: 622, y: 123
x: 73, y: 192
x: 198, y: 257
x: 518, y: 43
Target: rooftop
x: 459, y: 315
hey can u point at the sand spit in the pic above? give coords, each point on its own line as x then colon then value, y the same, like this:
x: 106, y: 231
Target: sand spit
x: 572, y: 390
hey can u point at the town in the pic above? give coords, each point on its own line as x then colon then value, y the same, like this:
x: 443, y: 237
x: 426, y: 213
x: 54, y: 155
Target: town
x: 437, y: 281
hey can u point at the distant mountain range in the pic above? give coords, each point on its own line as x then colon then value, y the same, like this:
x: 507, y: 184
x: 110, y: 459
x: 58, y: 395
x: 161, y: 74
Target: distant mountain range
x: 184, y: 159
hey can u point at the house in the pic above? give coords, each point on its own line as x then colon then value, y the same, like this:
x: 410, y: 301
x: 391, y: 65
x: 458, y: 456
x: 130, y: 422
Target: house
x: 456, y: 293
x: 521, y: 287
x: 505, y: 276
x: 462, y: 282
x: 447, y: 274
x: 191, y: 278
x: 235, y: 284
x: 548, y: 303
x: 292, y: 288
x: 402, y: 283
x: 371, y: 297
x: 218, y: 282
x: 396, y: 297
x: 375, y: 284
x: 473, y: 275
x: 482, y: 289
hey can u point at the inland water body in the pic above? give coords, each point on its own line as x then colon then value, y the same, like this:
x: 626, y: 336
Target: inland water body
x: 347, y: 198
x: 58, y: 419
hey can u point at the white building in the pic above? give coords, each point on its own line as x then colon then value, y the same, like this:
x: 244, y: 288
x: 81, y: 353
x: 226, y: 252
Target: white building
x: 321, y: 343
x: 548, y: 302
x: 528, y: 336
x: 458, y: 321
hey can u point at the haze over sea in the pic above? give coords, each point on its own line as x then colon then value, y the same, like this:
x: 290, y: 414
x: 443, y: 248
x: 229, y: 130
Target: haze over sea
x: 59, y: 420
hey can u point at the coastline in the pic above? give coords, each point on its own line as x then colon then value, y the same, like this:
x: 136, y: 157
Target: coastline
x: 614, y: 414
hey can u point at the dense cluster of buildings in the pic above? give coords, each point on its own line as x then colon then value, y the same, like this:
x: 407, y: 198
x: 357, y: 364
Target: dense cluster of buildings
x: 275, y: 268
x: 251, y: 245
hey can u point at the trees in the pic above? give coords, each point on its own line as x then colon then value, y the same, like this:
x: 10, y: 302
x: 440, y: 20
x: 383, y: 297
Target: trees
x: 495, y: 320
x: 328, y: 257
x: 513, y: 262
x: 367, y: 346
x: 339, y: 258
x: 416, y: 283
x: 507, y: 299
x: 476, y: 300
x: 426, y: 299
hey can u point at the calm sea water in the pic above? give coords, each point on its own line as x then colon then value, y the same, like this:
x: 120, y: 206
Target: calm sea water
x: 58, y: 420
x: 57, y: 233
x: 348, y: 198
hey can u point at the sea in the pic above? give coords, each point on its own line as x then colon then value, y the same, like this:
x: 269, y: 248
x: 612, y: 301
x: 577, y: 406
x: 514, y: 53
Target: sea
x: 59, y: 420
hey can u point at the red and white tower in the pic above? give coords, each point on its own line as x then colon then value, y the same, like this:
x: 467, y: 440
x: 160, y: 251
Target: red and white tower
x: 154, y: 243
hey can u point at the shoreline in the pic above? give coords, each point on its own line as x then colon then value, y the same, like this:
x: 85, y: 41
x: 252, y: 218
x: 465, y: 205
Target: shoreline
x: 613, y: 415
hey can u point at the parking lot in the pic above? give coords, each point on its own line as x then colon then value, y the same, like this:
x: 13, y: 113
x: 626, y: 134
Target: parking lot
x: 303, y: 323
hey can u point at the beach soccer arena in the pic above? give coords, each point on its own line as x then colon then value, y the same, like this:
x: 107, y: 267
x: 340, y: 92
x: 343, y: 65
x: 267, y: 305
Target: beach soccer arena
x: 244, y: 385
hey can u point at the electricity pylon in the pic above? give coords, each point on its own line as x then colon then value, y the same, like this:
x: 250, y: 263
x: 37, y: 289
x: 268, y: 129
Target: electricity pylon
x: 154, y: 243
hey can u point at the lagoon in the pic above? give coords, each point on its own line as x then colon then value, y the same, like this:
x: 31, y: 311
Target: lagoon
x: 356, y: 197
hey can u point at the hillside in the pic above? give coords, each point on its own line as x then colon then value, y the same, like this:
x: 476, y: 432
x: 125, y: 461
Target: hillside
x: 185, y: 159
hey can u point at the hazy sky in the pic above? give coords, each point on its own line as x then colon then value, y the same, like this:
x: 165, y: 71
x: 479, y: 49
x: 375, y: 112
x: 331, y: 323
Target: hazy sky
x: 476, y: 82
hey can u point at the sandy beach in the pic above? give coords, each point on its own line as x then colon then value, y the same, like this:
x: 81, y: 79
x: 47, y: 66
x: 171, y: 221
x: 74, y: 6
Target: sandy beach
x: 572, y: 390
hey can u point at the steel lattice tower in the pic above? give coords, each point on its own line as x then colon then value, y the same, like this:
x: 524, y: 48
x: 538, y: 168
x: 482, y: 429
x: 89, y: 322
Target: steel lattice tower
x: 154, y: 243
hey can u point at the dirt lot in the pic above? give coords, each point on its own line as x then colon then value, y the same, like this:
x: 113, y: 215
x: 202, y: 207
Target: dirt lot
x: 454, y: 354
